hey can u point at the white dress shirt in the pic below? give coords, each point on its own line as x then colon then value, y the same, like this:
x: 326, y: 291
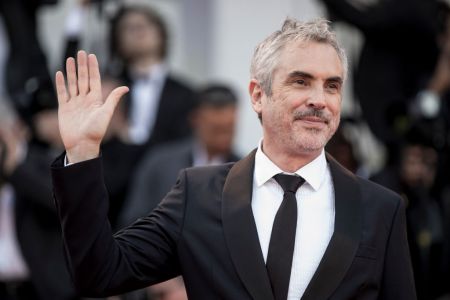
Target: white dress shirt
x: 145, y: 97
x: 315, y: 218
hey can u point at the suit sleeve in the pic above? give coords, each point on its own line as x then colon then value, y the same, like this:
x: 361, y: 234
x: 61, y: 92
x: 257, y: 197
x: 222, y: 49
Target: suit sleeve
x: 398, y: 280
x: 102, y: 264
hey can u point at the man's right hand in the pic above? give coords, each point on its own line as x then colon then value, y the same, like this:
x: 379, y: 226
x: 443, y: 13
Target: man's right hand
x: 82, y: 113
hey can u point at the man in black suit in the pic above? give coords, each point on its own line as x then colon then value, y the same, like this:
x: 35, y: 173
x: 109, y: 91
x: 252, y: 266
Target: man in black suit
x: 244, y: 230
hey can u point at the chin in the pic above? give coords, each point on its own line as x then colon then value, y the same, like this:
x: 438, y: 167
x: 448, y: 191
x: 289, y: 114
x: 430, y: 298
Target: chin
x: 312, y: 142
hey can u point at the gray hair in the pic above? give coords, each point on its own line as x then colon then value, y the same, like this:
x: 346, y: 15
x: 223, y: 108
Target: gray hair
x: 265, y: 57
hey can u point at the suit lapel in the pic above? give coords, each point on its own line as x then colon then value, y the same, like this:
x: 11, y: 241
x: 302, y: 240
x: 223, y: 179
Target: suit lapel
x: 342, y: 248
x: 240, y: 229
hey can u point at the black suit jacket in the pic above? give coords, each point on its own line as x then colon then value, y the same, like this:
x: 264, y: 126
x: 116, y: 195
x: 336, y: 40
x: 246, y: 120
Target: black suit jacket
x: 204, y: 229
x: 175, y: 103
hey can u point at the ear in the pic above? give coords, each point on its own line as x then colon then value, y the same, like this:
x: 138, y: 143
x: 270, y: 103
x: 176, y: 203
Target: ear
x: 256, y: 94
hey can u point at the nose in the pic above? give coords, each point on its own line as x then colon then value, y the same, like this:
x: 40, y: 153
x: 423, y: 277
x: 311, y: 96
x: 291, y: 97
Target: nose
x: 317, y: 99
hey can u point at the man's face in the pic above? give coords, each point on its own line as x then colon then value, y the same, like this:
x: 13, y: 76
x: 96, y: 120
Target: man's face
x: 138, y: 36
x: 214, y: 127
x: 303, y: 111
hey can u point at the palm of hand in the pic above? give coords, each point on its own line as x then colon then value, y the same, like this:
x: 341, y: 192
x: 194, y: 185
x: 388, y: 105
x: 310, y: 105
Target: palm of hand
x: 83, y: 115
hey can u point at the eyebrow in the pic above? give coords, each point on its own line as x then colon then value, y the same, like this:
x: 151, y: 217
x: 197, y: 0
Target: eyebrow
x: 300, y: 74
x: 294, y: 74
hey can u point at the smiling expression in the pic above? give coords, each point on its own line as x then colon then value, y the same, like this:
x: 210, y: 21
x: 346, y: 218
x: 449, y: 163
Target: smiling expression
x: 303, y: 110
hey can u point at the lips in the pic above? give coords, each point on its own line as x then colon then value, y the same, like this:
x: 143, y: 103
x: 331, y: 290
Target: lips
x: 313, y: 119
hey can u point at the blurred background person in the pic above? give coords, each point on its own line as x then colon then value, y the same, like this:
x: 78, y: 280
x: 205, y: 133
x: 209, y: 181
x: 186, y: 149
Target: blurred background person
x: 414, y: 177
x: 27, y: 78
x: 159, y: 104
x: 213, y: 121
x: 431, y: 105
x: 31, y: 219
x: 399, y: 50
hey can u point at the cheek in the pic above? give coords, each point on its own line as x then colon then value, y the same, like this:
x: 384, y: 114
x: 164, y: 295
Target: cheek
x: 335, y: 106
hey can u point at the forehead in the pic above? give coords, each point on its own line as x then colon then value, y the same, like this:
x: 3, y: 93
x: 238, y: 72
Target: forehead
x: 131, y: 17
x: 318, y: 59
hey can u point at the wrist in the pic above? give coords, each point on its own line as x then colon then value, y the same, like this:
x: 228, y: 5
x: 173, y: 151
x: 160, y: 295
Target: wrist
x: 83, y: 152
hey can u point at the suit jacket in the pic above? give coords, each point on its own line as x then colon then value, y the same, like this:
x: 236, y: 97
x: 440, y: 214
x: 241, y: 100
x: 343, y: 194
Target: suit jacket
x: 38, y: 229
x: 204, y: 229
x: 175, y: 103
x: 156, y: 174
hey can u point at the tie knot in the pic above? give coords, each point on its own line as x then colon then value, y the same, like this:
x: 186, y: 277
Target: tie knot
x: 289, y: 183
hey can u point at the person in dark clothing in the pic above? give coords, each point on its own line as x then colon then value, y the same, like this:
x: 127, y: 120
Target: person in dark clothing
x: 427, y: 211
x: 27, y: 78
x: 159, y: 104
x: 35, y: 220
x: 399, y: 50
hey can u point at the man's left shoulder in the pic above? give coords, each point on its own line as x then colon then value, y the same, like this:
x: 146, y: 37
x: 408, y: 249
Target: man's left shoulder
x: 377, y: 190
x: 371, y: 192
x: 377, y: 199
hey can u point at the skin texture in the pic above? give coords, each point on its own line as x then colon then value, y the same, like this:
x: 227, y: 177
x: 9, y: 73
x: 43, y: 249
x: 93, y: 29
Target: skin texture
x: 303, y: 111
x: 83, y: 113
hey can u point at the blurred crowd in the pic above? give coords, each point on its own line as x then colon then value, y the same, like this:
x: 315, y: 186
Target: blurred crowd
x: 401, y: 83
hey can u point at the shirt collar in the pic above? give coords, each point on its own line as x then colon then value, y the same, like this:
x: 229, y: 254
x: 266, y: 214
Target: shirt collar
x: 313, y: 172
x: 200, y: 156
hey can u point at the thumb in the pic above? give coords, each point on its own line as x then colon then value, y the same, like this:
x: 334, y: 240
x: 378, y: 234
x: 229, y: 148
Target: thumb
x: 114, y: 97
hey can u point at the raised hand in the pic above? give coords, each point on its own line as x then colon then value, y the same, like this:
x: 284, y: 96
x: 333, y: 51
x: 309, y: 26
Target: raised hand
x: 82, y: 113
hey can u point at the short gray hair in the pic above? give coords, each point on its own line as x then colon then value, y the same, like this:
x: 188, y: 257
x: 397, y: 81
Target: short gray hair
x: 265, y: 57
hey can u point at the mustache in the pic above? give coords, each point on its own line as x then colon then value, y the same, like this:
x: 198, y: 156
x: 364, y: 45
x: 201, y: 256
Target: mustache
x: 313, y: 112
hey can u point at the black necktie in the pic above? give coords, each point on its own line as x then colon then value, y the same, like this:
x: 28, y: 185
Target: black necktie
x: 282, y: 240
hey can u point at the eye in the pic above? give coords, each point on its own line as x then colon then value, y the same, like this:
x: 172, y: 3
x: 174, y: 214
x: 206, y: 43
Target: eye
x: 301, y: 82
x: 333, y: 86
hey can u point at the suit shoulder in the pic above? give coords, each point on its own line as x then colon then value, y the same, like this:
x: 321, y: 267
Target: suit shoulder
x: 176, y: 84
x: 370, y: 191
x: 376, y: 193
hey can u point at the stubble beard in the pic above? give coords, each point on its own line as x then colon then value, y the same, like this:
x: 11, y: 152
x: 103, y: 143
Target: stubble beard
x: 308, y: 139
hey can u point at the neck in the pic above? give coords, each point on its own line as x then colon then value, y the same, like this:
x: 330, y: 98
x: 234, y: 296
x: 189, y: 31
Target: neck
x: 288, y: 162
x: 141, y: 65
x: 212, y: 152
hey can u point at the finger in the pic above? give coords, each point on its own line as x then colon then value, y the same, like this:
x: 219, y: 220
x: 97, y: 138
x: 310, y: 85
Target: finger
x: 114, y: 98
x: 94, y: 75
x: 83, y: 80
x: 71, y: 77
x: 61, y: 90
